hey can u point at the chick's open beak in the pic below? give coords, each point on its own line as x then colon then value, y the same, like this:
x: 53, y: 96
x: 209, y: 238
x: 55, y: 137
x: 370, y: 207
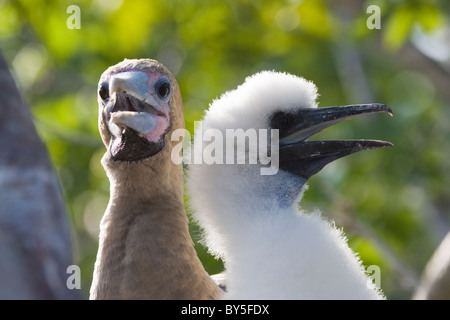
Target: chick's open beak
x: 305, y: 158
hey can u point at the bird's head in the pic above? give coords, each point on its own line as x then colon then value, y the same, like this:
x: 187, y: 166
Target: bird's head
x: 229, y: 196
x: 272, y: 100
x: 139, y: 104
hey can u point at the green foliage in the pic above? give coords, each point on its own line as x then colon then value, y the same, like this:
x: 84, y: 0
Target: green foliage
x: 406, y: 15
x: 393, y: 203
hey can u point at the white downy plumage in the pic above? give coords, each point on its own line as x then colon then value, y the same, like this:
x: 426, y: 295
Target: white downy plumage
x: 271, y: 249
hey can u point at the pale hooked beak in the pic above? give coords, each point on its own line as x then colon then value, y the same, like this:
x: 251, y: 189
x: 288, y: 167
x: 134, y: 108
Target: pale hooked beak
x: 135, y: 84
x: 131, y: 105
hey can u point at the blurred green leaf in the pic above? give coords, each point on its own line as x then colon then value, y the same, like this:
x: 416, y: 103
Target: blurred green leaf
x: 398, y: 27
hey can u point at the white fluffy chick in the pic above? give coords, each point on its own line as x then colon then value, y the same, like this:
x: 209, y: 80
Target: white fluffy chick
x: 271, y: 250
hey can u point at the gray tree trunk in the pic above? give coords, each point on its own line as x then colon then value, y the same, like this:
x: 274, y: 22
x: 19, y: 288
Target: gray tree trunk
x: 35, y: 241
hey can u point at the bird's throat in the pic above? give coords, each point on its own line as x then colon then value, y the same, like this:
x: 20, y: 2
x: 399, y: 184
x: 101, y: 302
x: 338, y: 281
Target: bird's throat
x: 144, y: 241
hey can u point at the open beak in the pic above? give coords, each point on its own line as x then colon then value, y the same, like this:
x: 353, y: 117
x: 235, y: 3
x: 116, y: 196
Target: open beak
x: 305, y: 158
x: 130, y: 105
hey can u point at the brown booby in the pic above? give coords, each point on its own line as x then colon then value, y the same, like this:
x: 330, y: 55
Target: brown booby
x: 145, y: 250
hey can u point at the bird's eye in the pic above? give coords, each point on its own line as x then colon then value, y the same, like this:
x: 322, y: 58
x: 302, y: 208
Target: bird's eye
x: 163, y: 88
x: 281, y: 121
x: 103, y: 91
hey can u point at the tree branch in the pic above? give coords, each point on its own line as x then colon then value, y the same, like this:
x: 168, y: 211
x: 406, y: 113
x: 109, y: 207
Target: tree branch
x: 435, y: 283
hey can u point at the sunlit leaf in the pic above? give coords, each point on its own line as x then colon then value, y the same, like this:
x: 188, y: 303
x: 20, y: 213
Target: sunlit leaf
x: 398, y: 27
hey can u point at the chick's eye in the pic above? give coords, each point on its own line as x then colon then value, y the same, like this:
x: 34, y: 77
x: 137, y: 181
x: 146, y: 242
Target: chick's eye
x: 281, y: 121
x: 103, y: 90
x: 163, y: 88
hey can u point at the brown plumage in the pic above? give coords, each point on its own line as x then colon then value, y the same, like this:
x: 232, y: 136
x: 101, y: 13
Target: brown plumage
x: 145, y: 251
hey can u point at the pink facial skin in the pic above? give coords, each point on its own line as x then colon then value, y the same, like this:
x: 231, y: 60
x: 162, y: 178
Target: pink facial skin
x: 162, y: 122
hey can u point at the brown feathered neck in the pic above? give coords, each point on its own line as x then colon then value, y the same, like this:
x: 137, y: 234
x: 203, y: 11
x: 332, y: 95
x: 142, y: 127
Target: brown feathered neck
x: 145, y: 248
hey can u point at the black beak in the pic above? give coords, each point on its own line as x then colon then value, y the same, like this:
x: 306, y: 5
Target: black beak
x: 305, y: 158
